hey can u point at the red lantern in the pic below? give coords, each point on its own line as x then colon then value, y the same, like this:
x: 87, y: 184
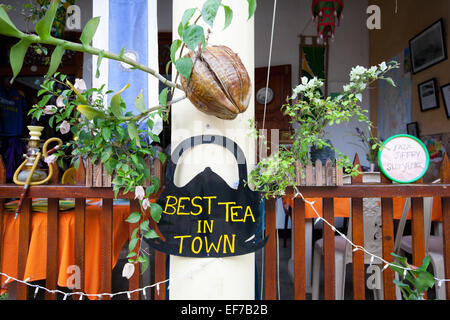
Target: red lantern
x: 326, y: 13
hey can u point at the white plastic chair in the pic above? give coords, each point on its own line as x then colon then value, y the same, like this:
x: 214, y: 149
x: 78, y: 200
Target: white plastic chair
x: 343, y: 250
x: 433, y: 243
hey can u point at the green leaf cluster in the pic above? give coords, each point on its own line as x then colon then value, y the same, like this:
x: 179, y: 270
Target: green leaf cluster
x: 193, y: 35
x: 107, y: 135
x: 414, y: 281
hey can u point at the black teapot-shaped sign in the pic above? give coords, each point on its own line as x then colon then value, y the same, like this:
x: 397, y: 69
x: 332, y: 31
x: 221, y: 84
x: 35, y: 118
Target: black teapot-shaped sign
x: 207, y: 217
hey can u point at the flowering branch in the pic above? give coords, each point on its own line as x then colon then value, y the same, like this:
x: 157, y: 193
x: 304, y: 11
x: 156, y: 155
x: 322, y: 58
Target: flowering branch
x: 310, y: 114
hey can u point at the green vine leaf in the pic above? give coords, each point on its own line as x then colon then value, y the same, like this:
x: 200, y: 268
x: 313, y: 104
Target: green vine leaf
x: 193, y: 35
x: 133, y: 132
x: 155, y: 211
x: 187, y: 16
x: 17, y: 55
x: 176, y: 44
x: 151, y: 234
x: 145, y: 261
x: 228, y: 16
x: 133, y: 217
x: 89, y: 31
x: 163, y: 97
x: 44, y: 27
x: 251, y: 8
x: 90, y: 113
x: 132, y: 244
x: 209, y: 11
x: 184, y: 67
x: 99, y: 62
x: 7, y: 27
x: 139, y: 102
x: 55, y: 60
x: 114, y: 106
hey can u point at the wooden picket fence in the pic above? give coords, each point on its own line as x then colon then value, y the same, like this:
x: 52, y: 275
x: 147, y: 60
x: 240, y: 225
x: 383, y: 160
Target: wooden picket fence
x: 319, y: 174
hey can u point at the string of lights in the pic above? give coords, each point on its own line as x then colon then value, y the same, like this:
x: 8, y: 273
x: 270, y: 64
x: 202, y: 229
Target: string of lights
x: 358, y: 247
x: 100, y: 295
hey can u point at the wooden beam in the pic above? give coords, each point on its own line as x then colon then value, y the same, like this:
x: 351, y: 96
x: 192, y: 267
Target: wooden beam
x: 298, y: 233
x: 387, y: 229
x: 24, y: 240
x: 107, y: 244
x: 52, y: 248
x: 271, y: 251
x: 357, y: 221
x: 329, y: 250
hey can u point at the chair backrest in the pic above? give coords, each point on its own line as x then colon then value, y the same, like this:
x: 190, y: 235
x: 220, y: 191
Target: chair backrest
x: 427, y: 217
x: 372, y: 221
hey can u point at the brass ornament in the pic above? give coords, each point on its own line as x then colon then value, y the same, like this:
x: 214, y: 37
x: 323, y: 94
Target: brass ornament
x: 219, y: 84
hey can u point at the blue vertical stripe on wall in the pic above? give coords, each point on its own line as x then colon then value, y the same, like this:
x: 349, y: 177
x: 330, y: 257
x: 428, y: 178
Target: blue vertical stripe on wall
x: 128, y: 28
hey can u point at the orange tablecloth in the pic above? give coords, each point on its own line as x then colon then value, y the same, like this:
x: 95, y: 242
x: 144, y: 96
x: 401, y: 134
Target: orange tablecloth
x: 342, y: 207
x: 37, y: 255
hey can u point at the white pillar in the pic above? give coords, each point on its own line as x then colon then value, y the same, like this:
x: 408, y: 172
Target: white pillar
x: 212, y: 278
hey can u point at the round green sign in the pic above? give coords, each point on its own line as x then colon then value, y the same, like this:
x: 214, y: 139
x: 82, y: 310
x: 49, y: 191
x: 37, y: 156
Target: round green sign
x: 403, y: 158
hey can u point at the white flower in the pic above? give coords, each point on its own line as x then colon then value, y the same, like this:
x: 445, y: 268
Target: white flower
x: 297, y: 90
x: 145, y: 203
x: 383, y: 66
x: 60, y: 102
x: 357, y: 72
x: 307, y: 85
x: 347, y: 87
x: 49, y: 109
x: 80, y: 85
x: 305, y: 80
x: 128, y: 270
x: 315, y: 83
x: 64, y: 127
x: 50, y: 159
x: 373, y: 70
x: 139, y: 193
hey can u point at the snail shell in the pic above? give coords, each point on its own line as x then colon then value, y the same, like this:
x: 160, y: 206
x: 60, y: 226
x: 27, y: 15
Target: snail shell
x: 219, y: 84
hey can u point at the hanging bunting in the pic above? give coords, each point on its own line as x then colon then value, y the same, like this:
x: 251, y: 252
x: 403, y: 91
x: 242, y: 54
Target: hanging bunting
x: 327, y: 13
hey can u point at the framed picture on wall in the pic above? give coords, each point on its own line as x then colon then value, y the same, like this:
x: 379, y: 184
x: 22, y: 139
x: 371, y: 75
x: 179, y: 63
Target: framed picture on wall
x: 445, y: 90
x: 428, y: 95
x: 428, y: 47
x: 413, y: 129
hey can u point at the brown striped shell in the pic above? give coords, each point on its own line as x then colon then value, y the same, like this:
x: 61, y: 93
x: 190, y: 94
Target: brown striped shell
x: 219, y: 83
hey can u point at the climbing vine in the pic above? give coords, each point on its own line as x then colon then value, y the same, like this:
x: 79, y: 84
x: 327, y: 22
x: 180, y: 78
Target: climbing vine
x: 109, y: 134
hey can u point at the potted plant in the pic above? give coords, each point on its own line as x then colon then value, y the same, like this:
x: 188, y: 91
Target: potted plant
x: 310, y: 113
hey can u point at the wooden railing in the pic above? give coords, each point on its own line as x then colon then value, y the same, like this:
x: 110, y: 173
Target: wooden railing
x: 356, y: 191
x: 80, y: 193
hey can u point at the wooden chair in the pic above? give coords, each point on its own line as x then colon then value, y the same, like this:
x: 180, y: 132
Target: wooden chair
x: 343, y: 250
